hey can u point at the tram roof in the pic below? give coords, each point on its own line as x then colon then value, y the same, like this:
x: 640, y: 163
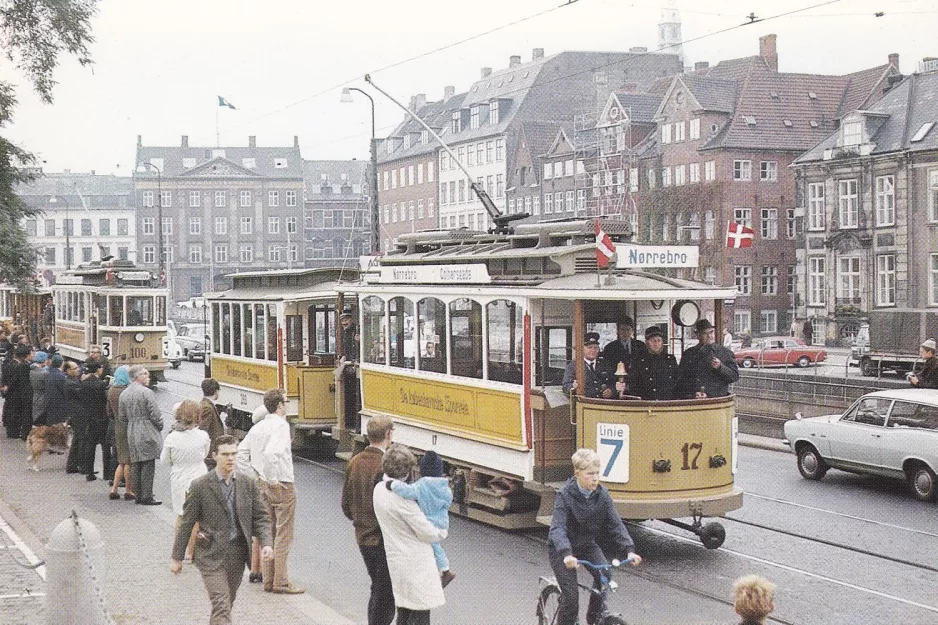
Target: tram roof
x: 286, y: 285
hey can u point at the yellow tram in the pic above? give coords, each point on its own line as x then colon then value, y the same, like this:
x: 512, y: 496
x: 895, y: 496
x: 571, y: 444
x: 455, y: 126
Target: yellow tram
x: 22, y: 308
x: 465, y: 338
x: 115, y: 305
x: 278, y: 330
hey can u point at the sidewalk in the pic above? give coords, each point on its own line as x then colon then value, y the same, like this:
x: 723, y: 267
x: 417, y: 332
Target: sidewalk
x: 139, y: 587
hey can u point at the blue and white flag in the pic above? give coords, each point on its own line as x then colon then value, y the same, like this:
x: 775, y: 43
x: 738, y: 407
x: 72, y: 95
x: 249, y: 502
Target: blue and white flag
x: 223, y: 102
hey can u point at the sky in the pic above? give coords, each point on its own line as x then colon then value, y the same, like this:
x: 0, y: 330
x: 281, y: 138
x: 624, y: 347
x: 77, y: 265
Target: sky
x: 159, y: 66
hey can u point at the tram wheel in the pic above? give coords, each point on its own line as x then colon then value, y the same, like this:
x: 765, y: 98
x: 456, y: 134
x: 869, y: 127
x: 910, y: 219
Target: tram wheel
x: 922, y: 481
x: 712, y: 535
x: 810, y: 463
x: 748, y: 363
x: 547, y: 605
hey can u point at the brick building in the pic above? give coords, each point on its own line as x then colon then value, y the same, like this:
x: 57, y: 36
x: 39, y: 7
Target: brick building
x: 337, y: 214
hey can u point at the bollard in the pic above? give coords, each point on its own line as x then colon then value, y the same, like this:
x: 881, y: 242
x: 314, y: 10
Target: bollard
x: 75, y: 575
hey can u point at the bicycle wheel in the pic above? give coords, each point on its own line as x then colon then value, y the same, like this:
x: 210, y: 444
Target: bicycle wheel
x: 547, y: 605
x: 614, y: 619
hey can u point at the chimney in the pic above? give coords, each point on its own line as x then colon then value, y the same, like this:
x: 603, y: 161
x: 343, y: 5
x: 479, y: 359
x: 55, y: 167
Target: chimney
x: 514, y: 61
x: 486, y: 72
x: 252, y: 141
x: 421, y: 101
x: 769, y: 51
x: 894, y: 59
x: 701, y: 65
x: 448, y: 92
x: 185, y: 141
x: 139, y: 141
x: 296, y: 141
x: 537, y: 54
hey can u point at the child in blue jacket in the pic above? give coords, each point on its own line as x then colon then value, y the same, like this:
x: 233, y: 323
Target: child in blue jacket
x: 434, y: 496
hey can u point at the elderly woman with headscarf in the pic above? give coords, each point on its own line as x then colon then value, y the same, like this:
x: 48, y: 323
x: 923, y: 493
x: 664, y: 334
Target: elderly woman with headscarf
x: 407, y: 538
x: 121, y: 382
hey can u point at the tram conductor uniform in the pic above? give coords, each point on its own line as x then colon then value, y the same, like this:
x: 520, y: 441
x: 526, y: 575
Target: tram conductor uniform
x: 597, y: 378
x: 707, y: 369
x: 626, y: 348
x: 654, y: 374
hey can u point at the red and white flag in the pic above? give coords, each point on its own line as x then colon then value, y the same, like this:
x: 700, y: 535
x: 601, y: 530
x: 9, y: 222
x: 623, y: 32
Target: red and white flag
x: 605, y: 248
x: 738, y: 235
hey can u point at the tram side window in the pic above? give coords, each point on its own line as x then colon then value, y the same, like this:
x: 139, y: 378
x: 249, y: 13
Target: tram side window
x: 248, y: 329
x: 101, y: 304
x: 160, y: 310
x: 81, y: 306
x: 553, y: 355
x: 226, y: 328
x: 402, y: 332
x: 236, y: 330
x: 216, y: 328
x: 431, y: 321
x: 465, y: 318
x: 272, y: 332
x: 260, y: 326
x: 324, y: 322
x: 140, y: 311
x: 294, y: 338
x: 373, y: 328
x: 505, y: 331
x: 116, y: 306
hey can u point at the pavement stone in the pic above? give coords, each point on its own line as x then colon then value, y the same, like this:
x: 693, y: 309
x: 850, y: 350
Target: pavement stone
x: 139, y: 588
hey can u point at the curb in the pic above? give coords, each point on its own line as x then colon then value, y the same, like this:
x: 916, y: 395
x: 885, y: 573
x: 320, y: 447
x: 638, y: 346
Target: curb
x: 763, y: 442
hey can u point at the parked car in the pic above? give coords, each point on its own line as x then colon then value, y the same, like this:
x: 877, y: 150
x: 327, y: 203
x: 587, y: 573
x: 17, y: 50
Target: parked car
x: 780, y: 350
x: 889, y: 433
x: 191, y: 339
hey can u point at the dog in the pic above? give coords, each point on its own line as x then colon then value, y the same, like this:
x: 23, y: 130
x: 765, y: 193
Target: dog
x: 55, y: 439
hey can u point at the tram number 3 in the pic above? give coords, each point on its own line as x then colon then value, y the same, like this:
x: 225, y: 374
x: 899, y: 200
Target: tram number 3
x: 244, y: 399
x: 687, y: 450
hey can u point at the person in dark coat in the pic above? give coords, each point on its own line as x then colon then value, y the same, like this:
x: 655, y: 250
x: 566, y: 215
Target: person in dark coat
x: 95, y: 358
x: 78, y: 417
x: 707, y: 369
x: 654, y: 374
x: 808, y: 330
x: 18, y: 406
x: 38, y: 372
x: 55, y: 404
x: 92, y: 400
x: 928, y: 376
x: 597, y: 376
x: 625, y: 348
x: 585, y: 526
x: 210, y: 419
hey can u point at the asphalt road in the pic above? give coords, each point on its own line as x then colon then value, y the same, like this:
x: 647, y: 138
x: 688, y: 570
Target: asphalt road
x: 846, y: 550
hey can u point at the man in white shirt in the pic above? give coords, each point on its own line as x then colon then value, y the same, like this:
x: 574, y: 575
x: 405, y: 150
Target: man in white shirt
x: 265, y: 453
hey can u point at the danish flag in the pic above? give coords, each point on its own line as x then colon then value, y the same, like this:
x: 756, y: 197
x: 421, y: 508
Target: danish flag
x: 738, y: 235
x: 605, y: 248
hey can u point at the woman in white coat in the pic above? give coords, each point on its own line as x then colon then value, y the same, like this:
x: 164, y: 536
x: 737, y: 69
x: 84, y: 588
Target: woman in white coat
x: 407, y: 538
x: 184, y: 452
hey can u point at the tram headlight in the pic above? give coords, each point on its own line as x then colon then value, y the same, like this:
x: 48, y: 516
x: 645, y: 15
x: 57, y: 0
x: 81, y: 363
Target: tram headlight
x: 139, y: 337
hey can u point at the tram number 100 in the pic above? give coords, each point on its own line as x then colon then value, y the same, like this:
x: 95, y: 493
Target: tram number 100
x: 138, y: 352
x: 688, y: 451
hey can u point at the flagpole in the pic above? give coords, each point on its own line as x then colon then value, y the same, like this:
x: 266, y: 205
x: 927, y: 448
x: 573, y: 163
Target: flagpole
x: 217, y: 136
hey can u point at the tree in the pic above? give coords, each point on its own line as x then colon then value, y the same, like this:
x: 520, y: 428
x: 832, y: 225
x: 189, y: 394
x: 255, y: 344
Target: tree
x: 33, y: 35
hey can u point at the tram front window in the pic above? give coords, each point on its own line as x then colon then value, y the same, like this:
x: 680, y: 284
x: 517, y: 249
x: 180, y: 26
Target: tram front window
x: 373, y: 328
x: 558, y: 351
x: 116, y: 306
x: 465, y: 318
x: 505, y: 333
x: 294, y: 338
x: 431, y: 320
x: 403, y: 335
x: 140, y: 311
x: 101, y: 304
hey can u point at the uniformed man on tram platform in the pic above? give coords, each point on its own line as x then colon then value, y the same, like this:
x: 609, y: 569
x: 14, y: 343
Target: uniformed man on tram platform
x: 707, y: 369
x: 597, y: 377
x: 654, y: 374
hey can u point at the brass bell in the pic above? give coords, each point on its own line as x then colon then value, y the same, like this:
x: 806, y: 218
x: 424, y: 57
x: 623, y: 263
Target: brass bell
x: 620, y: 370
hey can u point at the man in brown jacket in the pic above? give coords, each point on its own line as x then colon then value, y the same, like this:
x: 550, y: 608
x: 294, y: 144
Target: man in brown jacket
x: 364, y: 471
x: 211, y: 416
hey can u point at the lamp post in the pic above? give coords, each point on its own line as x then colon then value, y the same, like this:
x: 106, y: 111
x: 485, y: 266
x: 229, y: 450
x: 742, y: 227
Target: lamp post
x: 375, y: 231
x: 67, y: 228
x: 159, y: 218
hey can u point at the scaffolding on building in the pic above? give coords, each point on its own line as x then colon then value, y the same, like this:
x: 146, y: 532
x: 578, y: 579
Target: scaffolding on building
x: 604, y: 157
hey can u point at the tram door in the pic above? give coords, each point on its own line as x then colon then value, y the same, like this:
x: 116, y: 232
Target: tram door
x: 318, y: 405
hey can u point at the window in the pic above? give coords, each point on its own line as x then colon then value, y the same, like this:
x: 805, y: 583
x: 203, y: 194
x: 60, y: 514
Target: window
x: 121, y: 253
x: 710, y: 171
x: 247, y: 225
x: 548, y: 203
x: 679, y: 175
x: 167, y: 225
x: 633, y: 179
x: 769, y: 223
x: 221, y: 253
x: 791, y: 280
x: 695, y: 128
x: 665, y: 176
x: 30, y: 226
x: 69, y: 226
x: 933, y: 195
x: 558, y: 202
x: 932, y: 279
x: 743, y: 274
x: 410, y: 175
x: 743, y: 216
x: 679, y: 131
x: 849, y: 206
x: 280, y: 163
x: 499, y: 150
x: 511, y: 205
x: 148, y: 225
x: 885, y: 201
x: 817, y: 287
x: 853, y: 133
x: 886, y: 280
x: 86, y: 254
x: 568, y: 167
x: 666, y: 133
x: 50, y: 256
x: 50, y: 227
x: 246, y: 254
x: 505, y: 350
x: 168, y: 254
x: 195, y: 225
x: 493, y: 113
x: 694, y: 172
x: 462, y: 191
x: 500, y: 184
x: 166, y: 199
x: 536, y: 205
x: 273, y: 254
x: 790, y: 223
x: 430, y: 171
x: 273, y: 197
x: 195, y: 199
x: 651, y: 178
x: 558, y: 169
x: 420, y: 211
x: 581, y: 199
x: 768, y: 321
x: 104, y: 227
x: 568, y: 198
x: 769, y: 280
x: 220, y: 199
x: 195, y: 254
x: 221, y: 225
x: 848, y: 280
x: 86, y: 227
x: 474, y: 116
x: 742, y: 322
x: 420, y: 173
x: 148, y: 199
x: 548, y: 171
x: 742, y: 170
x: 273, y: 225
x: 149, y: 254
x: 768, y: 171
x: 291, y: 198
x: 816, y: 208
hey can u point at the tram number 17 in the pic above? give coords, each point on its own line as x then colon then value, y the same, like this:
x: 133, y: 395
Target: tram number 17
x: 687, y: 450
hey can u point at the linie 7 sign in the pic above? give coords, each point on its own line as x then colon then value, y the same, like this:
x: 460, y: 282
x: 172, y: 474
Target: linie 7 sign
x: 738, y: 235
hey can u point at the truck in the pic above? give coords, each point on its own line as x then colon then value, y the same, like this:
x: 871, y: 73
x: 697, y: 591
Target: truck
x: 892, y: 340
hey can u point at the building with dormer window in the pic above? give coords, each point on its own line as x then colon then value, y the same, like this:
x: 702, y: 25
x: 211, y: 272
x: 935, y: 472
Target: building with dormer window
x: 337, y: 224
x: 870, y: 192
x: 224, y: 210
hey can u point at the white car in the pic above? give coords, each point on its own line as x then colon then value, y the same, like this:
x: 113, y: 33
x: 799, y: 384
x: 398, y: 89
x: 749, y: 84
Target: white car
x: 890, y: 433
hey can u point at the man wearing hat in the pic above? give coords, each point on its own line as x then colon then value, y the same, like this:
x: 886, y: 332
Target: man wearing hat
x: 597, y: 378
x: 654, y: 374
x: 928, y: 376
x: 350, y: 349
x: 707, y: 369
x: 625, y: 348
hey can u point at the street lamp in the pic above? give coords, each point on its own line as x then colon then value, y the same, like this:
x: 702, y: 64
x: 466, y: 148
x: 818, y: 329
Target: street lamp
x: 68, y: 227
x: 375, y: 232
x: 159, y: 217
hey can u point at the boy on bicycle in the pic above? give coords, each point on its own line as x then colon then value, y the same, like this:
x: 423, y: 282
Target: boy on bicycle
x: 585, y: 526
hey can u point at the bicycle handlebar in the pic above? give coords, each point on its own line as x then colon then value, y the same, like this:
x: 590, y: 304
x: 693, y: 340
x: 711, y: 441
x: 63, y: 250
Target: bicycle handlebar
x: 605, y: 567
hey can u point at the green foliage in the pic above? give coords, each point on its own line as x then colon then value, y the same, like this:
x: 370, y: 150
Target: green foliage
x: 33, y: 35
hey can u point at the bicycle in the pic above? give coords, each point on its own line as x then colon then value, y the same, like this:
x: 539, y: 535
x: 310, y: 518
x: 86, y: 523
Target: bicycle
x: 548, y: 600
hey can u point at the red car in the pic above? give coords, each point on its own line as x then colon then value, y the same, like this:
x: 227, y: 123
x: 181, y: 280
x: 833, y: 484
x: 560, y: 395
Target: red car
x: 780, y: 350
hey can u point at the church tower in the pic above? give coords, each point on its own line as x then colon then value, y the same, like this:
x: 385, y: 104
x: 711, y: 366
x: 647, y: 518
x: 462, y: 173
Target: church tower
x: 669, y: 31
